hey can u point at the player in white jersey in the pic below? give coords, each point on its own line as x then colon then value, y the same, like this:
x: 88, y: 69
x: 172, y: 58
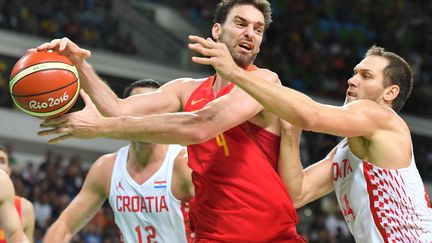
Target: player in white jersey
x: 147, y: 185
x: 373, y: 171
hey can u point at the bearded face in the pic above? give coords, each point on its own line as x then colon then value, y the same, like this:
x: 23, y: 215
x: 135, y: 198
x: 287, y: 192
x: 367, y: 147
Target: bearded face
x: 242, y: 33
x: 242, y: 58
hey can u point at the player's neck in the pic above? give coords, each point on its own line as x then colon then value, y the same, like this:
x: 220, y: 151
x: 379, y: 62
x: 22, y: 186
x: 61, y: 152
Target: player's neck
x: 219, y: 84
x: 142, y: 155
x: 144, y: 160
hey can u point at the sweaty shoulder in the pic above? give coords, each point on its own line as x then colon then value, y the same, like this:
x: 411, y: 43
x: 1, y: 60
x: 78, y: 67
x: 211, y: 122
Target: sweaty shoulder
x: 267, y: 75
x: 183, y: 87
x: 100, y: 172
x: 382, y: 116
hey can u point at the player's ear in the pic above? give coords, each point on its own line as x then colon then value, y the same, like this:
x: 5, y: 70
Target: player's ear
x: 216, y: 31
x: 391, y: 92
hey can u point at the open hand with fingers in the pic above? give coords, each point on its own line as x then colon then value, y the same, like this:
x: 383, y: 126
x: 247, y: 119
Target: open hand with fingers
x: 65, y: 47
x: 215, y: 54
x: 83, y: 124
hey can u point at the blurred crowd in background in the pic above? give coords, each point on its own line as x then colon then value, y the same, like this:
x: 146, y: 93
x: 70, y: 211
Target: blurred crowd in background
x: 312, y: 44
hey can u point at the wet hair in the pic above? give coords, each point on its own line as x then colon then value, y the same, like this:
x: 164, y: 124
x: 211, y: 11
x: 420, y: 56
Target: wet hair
x: 142, y: 83
x: 397, y: 72
x: 225, y: 6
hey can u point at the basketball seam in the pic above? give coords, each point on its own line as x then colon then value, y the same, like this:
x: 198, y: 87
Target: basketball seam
x: 55, y: 61
x: 53, y: 68
x: 47, y: 92
x: 68, y: 105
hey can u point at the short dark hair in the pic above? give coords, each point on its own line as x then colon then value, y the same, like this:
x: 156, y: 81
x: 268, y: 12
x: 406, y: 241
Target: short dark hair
x: 142, y: 83
x: 225, y: 6
x: 3, y: 148
x: 397, y: 72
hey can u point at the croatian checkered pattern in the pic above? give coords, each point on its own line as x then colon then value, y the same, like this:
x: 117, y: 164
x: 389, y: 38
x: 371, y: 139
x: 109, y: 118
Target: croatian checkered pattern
x: 392, y: 209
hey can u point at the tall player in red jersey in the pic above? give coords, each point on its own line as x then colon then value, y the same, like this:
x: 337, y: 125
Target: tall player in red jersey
x: 23, y: 206
x: 233, y: 142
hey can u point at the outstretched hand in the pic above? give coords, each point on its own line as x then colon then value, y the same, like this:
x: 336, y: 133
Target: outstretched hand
x: 83, y: 124
x: 65, y: 47
x: 215, y: 54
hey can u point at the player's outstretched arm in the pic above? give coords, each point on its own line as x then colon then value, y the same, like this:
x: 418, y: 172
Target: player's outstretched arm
x: 184, y: 128
x: 84, y: 206
x: 304, y: 185
x: 9, y: 218
x: 104, y: 98
x: 359, y: 118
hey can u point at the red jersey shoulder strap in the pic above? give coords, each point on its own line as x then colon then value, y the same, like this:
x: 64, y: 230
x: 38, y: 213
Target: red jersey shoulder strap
x: 201, y: 95
x: 204, y: 93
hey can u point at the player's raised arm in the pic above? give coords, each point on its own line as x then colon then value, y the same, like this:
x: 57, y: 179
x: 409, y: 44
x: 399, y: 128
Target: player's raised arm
x: 304, y: 185
x: 295, y: 107
x: 217, y: 116
x: 163, y: 100
x: 84, y: 206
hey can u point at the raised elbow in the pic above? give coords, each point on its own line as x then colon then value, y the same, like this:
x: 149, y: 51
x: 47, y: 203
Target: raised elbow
x: 198, y: 136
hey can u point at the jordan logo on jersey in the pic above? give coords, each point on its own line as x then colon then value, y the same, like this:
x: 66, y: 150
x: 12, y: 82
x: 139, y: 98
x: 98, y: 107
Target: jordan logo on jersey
x: 119, y: 186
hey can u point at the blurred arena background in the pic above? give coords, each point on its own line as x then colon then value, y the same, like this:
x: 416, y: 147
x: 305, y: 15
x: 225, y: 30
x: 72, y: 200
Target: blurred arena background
x: 312, y: 45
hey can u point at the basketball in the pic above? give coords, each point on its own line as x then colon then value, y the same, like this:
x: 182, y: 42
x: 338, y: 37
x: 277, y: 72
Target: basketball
x: 44, y: 84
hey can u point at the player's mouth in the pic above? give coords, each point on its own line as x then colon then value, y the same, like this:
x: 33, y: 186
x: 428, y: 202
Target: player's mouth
x: 246, y: 46
x: 351, y: 94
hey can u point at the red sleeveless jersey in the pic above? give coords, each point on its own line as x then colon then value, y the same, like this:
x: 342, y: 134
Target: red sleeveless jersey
x: 18, y: 208
x: 239, y: 197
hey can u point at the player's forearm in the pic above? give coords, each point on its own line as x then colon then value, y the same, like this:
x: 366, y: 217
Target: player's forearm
x: 291, y: 105
x: 59, y: 232
x: 101, y: 94
x: 290, y: 166
x: 177, y: 128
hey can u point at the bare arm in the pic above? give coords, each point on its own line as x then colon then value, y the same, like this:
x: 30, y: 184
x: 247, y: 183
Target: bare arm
x: 359, y: 118
x: 306, y: 185
x: 28, y: 215
x: 9, y: 219
x: 182, y: 187
x: 84, y: 206
x: 181, y: 128
x: 105, y: 99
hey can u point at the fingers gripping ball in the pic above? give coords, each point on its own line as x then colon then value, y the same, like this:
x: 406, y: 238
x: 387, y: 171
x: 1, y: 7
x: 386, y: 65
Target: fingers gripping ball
x: 44, y: 84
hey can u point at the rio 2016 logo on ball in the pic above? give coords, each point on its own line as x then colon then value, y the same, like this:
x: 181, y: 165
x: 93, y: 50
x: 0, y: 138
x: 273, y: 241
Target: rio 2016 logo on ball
x: 44, y: 84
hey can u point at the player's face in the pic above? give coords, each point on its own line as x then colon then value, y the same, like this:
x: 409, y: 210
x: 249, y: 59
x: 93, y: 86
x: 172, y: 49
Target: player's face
x: 242, y: 33
x: 367, y: 81
x: 137, y: 91
x: 4, y: 162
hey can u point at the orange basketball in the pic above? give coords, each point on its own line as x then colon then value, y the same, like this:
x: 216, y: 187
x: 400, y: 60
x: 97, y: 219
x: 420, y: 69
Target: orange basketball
x: 44, y: 84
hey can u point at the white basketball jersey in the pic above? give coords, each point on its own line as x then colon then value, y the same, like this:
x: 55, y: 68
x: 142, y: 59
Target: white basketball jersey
x: 381, y: 205
x: 148, y: 212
